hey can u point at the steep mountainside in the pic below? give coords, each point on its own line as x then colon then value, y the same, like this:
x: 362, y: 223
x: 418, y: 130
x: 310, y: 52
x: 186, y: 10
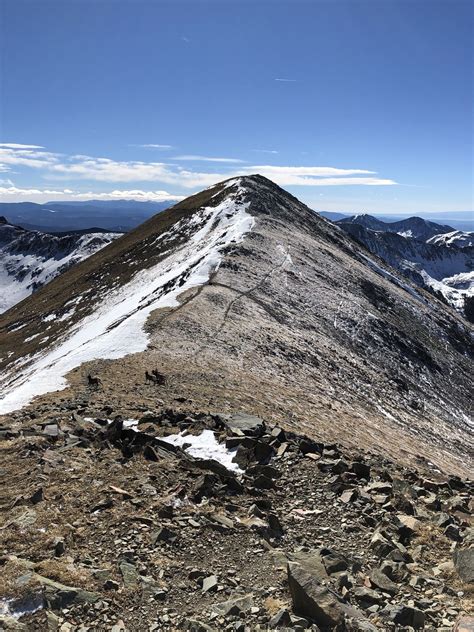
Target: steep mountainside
x: 414, y: 227
x: 280, y: 313
x: 437, y: 264
x: 29, y: 259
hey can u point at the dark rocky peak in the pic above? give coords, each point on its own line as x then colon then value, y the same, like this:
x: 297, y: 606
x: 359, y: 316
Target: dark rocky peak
x: 412, y: 227
x: 365, y: 220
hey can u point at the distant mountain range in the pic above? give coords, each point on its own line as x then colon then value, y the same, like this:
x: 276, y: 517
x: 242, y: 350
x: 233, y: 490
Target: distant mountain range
x: 463, y: 221
x: 29, y: 259
x: 415, y: 227
x: 432, y: 255
x: 111, y: 215
x: 124, y: 215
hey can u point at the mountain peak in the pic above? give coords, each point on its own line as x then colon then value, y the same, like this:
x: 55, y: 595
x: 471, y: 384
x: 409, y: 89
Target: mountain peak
x: 245, y: 299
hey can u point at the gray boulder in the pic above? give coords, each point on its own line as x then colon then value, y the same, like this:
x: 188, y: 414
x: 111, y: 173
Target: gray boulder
x: 405, y: 615
x: 234, y: 606
x: 464, y: 564
x: 315, y: 601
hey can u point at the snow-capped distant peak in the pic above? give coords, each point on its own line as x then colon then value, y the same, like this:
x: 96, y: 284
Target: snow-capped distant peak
x: 458, y: 238
x: 29, y: 259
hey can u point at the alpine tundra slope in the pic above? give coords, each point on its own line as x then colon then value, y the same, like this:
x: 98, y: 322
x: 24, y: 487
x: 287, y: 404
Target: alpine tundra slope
x: 246, y: 299
x: 235, y: 418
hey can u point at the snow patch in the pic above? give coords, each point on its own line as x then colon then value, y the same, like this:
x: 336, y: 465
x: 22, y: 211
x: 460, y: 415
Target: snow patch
x: 454, y: 288
x: 205, y: 446
x: 17, y: 608
x: 132, y: 424
x: 31, y: 338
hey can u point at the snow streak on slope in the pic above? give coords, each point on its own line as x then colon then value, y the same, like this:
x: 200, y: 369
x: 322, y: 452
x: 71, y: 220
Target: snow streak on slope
x: 391, y: 277
x: 115, y: 328
x: 30, y: 259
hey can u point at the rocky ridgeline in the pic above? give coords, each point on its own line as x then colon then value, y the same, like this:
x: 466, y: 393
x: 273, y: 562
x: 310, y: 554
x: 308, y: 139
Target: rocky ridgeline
x: 109, y: 527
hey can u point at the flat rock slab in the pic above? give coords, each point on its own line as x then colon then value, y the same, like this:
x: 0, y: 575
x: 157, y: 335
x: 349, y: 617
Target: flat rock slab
x: 319, y: 603
x: 241, y: 423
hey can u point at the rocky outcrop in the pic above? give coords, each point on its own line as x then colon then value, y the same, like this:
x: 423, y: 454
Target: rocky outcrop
x: 340, y: 540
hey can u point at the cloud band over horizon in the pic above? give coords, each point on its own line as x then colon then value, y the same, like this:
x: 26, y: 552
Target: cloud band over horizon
x: 55, y: 167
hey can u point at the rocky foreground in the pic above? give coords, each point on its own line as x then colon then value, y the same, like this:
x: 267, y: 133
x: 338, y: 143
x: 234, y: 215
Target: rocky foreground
x: 108, y: 527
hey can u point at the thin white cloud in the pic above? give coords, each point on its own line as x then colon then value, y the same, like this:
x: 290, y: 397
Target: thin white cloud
x: 11, y: 193
x: 154, y: 146
x: 30, y: 157
x: 81, y: 167
x: 285, y: 80
x: 134, y: 194
x: 330, y: 182
x: 308, y: 171
x: 266, y: 151
x: 194, y: 157
x: 20, y: 146
x: 185, y: 39
x: 319, y: 176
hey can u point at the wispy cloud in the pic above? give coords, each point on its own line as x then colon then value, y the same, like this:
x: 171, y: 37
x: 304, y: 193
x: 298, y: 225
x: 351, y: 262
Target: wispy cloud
x: 80, y: 167
x: 194, y: 157
x: 185, y: 39
x: 154, y: 146
x: 134, y: 194
x: 26, y: 156
x: 20, y: 146
x: 266, y: 151
x: 329, y: 182
x: 13, y: 193
x: 283, y: 80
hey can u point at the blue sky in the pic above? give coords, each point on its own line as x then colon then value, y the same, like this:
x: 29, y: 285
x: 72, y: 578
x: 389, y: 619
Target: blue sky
x: 351, y: 105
